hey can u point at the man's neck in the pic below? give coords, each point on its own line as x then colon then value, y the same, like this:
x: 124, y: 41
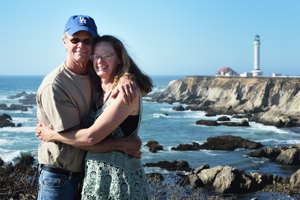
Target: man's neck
x: 77, y: 67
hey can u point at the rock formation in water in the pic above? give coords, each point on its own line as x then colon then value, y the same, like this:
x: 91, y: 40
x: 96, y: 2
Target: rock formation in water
x: 224, y: 142
x: 4, y: 106
x: 283, y: 155
x: 24, y: 98
x: 6, y: 121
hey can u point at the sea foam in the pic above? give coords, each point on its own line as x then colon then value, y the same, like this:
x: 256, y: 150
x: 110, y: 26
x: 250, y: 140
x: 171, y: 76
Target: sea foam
x: 18, y: 129
x: 9, y: 156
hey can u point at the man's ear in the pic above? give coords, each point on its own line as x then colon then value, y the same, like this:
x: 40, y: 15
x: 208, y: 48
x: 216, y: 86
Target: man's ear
x: 65, y: 42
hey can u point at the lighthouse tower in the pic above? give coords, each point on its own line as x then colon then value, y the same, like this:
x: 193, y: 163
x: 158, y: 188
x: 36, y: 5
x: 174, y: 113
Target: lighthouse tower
x: 256, y: 71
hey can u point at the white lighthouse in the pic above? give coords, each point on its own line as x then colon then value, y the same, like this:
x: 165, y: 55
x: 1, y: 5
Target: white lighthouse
x: 256, y: 71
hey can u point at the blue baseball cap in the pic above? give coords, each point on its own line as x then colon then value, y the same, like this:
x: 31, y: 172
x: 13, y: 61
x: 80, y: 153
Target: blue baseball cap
x: 81, y: 23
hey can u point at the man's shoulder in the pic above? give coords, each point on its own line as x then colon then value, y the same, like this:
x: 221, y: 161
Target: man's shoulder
x: 54, y: 77
x: 56, y: 73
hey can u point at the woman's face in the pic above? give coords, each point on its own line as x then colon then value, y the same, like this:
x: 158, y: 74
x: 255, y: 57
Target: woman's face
x: 105, y: 60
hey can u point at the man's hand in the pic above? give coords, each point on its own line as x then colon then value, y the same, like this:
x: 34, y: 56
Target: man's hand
x: 37, y: 131
x: 127, y: 88
x: 43, y: 131
x: 132, y: 146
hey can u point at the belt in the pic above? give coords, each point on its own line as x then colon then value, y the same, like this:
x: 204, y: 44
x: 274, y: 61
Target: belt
x: 60, y: 171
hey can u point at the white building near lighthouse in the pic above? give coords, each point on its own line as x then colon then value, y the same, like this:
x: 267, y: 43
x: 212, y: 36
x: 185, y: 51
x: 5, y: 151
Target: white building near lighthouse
x: 257, y: 71
x: 226, y: 71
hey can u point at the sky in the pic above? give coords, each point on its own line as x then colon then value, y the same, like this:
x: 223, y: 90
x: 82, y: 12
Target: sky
x: 164, y: 37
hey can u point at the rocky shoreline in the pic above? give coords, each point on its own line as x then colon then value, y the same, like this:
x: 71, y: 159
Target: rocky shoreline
x: 274, y: 103
x: 269, y: 100
x: 227, y: 179
x: 21, y: 181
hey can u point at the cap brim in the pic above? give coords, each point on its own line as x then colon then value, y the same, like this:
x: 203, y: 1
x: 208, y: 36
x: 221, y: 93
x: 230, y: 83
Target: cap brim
x: 81, y: 28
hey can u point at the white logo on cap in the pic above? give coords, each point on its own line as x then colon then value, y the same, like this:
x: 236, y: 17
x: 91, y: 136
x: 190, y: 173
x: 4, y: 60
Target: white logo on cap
x: 82, y: 20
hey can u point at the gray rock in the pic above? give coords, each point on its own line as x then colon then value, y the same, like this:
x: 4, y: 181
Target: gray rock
x: 263, y: 179
x: 199, y: 169
x: 195, y: 181
x: 28, y: 100
x: 289, y: 157
x: 16, y: 107
x: 210, y: 113
x: 229, y: 142
x: 154, y: 146
x: 207, y: 122
x: 295, y: 178
x: 5, y: 121
x: 5, y: 116
x: 207, y: 176
x: 269, y: 152
x: 181, y: 165
x: 226, y: 180
x: 3, y: 106
x: 242, y: 122
x: 223, y: 118
x: 19, y: 95
x: 178, y: 108
x: 187, y: 147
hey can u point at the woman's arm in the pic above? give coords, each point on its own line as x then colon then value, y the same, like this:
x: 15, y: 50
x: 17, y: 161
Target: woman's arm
x: 130, y: 145
x: 108, y: 121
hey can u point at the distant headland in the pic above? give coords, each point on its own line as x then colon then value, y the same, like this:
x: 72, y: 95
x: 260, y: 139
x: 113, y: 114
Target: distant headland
x: 271, y: 100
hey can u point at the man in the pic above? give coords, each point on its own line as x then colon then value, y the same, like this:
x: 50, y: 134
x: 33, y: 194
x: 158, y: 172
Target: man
x: 64, y: 100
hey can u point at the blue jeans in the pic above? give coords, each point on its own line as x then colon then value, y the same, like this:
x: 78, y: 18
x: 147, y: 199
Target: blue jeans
x: 54, y: 186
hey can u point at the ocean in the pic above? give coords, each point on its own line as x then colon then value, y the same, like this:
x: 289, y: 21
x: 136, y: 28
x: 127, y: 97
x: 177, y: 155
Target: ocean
x: 177, y: 127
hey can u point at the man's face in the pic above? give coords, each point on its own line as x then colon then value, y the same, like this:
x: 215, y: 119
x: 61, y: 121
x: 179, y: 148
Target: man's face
x: 79, y: 46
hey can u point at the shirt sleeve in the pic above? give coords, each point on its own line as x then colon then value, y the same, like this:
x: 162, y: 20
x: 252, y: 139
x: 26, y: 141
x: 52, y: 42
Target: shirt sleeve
x: 59, y: 108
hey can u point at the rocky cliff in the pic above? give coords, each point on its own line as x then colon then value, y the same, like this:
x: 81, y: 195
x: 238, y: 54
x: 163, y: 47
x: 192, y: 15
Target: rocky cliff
x: 273, y: 100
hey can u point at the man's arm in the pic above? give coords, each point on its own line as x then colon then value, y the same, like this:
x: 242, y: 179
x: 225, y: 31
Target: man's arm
x: 130, y: 145
x: 127, y: 87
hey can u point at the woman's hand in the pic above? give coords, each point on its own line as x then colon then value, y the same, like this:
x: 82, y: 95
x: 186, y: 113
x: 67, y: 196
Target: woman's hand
x: 127, y: 88
x: 43, y: 131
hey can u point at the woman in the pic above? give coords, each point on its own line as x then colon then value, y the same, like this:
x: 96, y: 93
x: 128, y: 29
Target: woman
x: 111, y: 175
